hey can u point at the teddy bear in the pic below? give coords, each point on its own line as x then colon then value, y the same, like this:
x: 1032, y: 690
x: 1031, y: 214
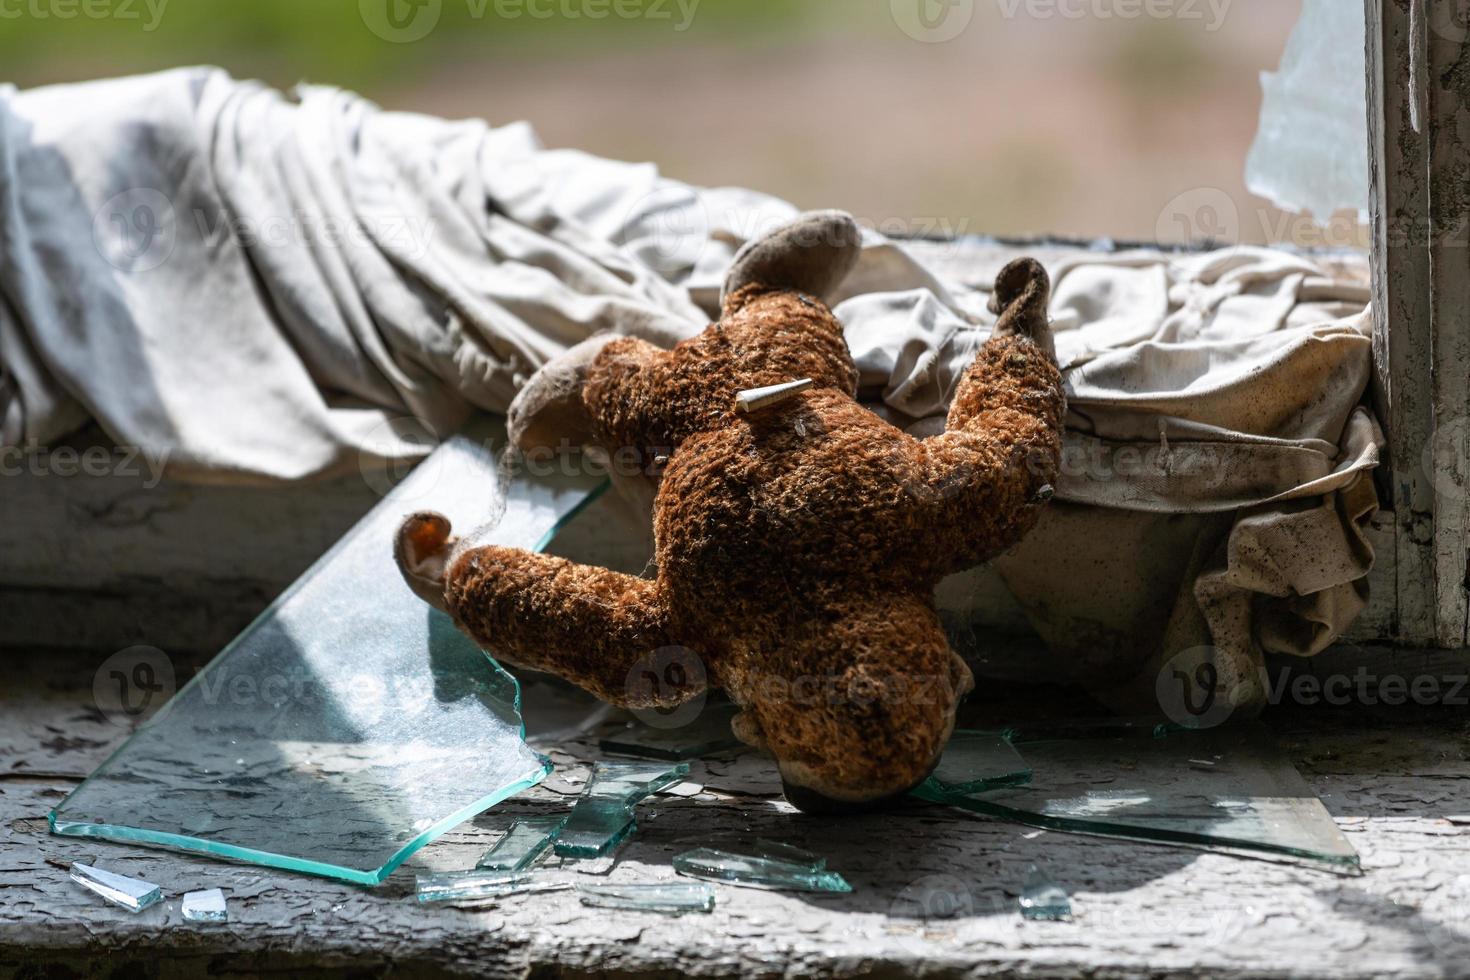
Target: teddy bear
x: 798, y: 537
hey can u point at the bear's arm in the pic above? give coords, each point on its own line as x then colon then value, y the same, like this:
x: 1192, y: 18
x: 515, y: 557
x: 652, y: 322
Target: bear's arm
x: 591, y: 626
x: 987, y: 476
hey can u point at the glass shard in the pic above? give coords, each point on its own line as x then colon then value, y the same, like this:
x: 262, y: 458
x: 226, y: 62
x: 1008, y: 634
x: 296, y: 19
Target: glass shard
x: 975, y: 761
x: 129, y: 893
x: 755, y: 872
x: 205, y: 906
x: 669, y: 899
x: 526, y: 840
x: 480, y: 886
x: 350, y: 724
x: 1043, y: 900
x: 1252, y: 801
x: 1310, y: 151
x: 603, y: 815
x: 705, y: 735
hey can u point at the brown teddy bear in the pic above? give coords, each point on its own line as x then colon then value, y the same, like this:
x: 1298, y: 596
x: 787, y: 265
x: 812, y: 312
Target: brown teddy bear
x: 797, y: 543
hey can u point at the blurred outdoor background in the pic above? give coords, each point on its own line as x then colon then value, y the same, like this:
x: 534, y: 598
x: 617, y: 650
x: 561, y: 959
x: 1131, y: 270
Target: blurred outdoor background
x: 1075, y: 117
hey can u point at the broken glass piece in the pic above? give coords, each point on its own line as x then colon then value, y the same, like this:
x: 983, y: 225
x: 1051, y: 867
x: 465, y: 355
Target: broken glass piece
x: 705, y: 735
x: 669, y: 899
x: 130, y: 893
x: 603, y: 815
x: 975, y: 761
x: 205, y: 906
x: 526, y: 840
x: 1311, y: 152
x: 1043, y: 900
x: 754, y: 872
x: 350, y: 724
x: 479, y: 886
x: 771, y: 850
x: 1251, y: 802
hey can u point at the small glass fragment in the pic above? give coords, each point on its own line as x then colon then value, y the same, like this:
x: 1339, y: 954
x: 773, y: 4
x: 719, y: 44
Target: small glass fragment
x: 603, y: 816
x: 1043, y: 900
x: 205, y: 906
x: 755, y: 872
x: 478, y: 886
x: 527, y: 839
x: 706, y: 735
x: 669, y: 899
x: 129, y: 893
x: 976, y: 761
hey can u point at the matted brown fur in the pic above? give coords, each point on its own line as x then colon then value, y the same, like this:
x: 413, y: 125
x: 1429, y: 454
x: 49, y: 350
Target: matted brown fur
x: 798, y: 547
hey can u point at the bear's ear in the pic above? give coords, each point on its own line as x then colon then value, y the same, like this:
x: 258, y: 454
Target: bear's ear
x: 812, y: 254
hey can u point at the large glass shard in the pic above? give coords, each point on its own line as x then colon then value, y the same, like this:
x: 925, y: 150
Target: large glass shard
x: 526, y: 840
x: 132, y: 894
x: 350, y: 724
x: 480, y: 886
x: 603, y: 815
x: 1043, y: 900
x: 705, y: 735
x: 755, y: 872
x: 975, y: 761
x: 205, y: 906
x: 668, y: 899
x: 1248, y: 799
x: 1311, y: 151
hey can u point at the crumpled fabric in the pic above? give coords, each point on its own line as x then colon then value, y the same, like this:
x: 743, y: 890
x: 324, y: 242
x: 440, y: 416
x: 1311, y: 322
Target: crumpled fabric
x: 262, y: 287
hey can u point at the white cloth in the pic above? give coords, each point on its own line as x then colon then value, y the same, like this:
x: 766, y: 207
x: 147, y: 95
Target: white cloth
x: 256, y: 287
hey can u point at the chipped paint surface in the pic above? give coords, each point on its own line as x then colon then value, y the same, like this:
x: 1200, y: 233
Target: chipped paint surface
x: 935, y: 889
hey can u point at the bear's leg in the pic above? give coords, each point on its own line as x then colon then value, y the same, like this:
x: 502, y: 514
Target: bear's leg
x: 596, y: 628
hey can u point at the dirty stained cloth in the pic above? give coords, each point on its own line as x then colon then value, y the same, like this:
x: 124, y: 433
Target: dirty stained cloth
x: 259, y: 287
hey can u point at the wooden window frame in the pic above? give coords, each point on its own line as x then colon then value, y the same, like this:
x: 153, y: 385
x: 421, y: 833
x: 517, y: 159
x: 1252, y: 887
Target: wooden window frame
x: 1419, y: 148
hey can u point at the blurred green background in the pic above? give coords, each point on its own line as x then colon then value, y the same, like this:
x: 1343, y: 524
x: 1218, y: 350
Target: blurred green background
x: 1037, y: 117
